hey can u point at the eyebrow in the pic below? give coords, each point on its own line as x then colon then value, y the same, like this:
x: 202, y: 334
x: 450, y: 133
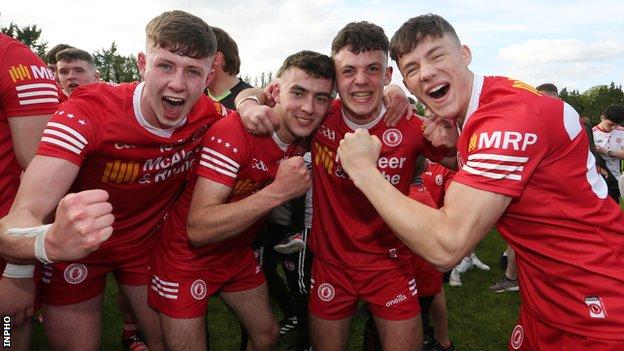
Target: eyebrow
x: 427, y: 54
x: 302, y: 89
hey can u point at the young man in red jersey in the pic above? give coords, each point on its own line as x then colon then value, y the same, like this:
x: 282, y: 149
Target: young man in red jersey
x: 137, y: 142
x: 240, y: 178
x: 525, y: 166
x: 356, y: 254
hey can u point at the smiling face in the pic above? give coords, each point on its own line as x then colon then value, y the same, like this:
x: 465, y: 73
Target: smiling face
x: 360, y: 79
x: 173, y: 84
x: 436, y: 72
x: 302, y: 101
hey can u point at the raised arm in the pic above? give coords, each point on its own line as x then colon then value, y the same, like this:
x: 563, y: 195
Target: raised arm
x: 212, y: 219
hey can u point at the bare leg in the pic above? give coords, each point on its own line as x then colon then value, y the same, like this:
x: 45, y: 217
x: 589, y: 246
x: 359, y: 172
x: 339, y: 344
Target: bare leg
x: 74, y: 327
x: 329, y: 335
x: 184, y: 334
x: 439, y: 319
x: 147, y: 317
x: 512, y: 270
x: 400, y: 335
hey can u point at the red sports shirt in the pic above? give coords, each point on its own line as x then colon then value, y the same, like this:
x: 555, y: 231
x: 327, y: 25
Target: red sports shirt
x: 237, y: 159
x: 567, y: 233
x: 102, y: 130
x: 347, y: 230
x: 26, y: 89
x: 437, y: 178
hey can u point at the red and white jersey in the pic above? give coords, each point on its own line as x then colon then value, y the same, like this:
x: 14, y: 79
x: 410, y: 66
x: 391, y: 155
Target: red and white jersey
x: 347, y: 230
x: 437, y: 179
x: 102, y: 130
x: 26, y: 89
x: 613, y: 140
x: 568, y: 235
x: 232, y: 157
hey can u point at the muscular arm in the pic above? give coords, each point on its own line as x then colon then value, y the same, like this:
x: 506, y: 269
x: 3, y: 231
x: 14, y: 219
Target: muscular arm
x: 211, y: 219
x: 443, y: 236
x: 45, y: 182
x: 25, y: 135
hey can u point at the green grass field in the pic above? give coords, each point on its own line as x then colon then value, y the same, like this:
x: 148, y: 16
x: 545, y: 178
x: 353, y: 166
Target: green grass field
x: 479, y: 320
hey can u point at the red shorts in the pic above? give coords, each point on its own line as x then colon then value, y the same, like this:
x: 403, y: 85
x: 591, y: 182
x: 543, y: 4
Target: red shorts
x: 335, y: 292
x: 532, y: 335
x: 179, y: 291
x: 428, y: 278
x: 71, y: 283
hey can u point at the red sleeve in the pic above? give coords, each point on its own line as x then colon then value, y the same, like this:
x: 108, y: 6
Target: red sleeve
x: 70, y: 133
x: 26, y: 86
x: 224, y: 150
x: 503, y: 146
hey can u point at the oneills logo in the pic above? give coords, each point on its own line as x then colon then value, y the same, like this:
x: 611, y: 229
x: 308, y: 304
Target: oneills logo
x: 521, y: 85
x: 473, y: 143
x: 19, y: 73
x: 324, y: 157
x: 121, y: 172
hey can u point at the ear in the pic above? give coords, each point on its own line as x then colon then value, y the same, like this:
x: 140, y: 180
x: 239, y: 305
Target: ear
x: 211, y: 76
x: 218, y: 60
x: 466, y: 54
x: 388, y: 75
x: 274, y: 90
x: 141, y: 62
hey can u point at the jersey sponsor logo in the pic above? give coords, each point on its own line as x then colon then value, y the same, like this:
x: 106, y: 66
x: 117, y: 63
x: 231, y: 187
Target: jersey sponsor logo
x: 326, y: 292
x: 391, y: 163
x: 524, y: 86
x: 19, y: 73
x: 199, y: 289
x: 247, y: 186
x: 324, y: 157
x: 398, y: 299
x: 166, y: 289
x: 392, y: 137
x: 165, y: 162
x: 33, y: 93
x: 64, y: 137
x: 75, y: 273
x: 328, y: 133
x: 596, y: 307
x: 472, y: 145
x: 259, y: 164
x: 289, y: 266
x: 517, y: 336
x: 121, y: 172
x: 178, y: 163
x: 504, y: 140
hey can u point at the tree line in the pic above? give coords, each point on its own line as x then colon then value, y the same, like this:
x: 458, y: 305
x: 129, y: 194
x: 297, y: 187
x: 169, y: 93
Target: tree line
x: 117, y: 68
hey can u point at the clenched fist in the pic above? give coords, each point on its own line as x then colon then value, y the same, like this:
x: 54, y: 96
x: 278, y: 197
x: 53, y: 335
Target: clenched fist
x: 83, y: 222
x: 292, y: 179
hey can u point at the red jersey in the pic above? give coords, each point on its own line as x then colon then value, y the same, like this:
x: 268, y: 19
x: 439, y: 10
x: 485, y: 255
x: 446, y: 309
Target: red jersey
x: 26, y: 89
x: 232, y: 157
x: 568, y: 235
x: 437, y: 178
x: 102, y: 130
x: 347, y: 230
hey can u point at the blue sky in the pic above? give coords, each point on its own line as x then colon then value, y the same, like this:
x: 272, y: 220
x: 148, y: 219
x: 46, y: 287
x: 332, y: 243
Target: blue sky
x: 577, y: 44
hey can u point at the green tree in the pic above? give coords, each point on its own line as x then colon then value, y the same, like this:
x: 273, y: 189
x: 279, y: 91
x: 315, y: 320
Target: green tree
x: 593, y: 101
x: 29, y: 35
x: 114, y: 67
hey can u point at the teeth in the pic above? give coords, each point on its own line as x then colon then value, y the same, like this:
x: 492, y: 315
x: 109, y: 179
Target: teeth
x: 361, y: 94
x: 174, y: 99
x: 435, y: 89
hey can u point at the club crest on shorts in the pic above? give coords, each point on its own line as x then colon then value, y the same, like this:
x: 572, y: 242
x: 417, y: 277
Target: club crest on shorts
x: 596, y: 307
x: 439, y: 179
x: 392, y: 137
x: 326, y: 292
x: 289, y: 265
x: 517, y: 336
x: 199, y: 289
x: 75, y: 273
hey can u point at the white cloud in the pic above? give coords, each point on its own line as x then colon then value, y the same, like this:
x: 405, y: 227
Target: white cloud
x: 546, y: 51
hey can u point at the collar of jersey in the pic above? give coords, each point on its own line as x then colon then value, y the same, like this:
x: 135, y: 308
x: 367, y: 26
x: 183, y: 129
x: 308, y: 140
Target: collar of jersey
x: 220, y: 97
x: 136, y: 104
x: 477, y: 86
x: 282, y: 145
x: 368, y: 125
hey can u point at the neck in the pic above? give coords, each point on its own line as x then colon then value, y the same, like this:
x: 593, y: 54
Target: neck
x: 361, y: 119
x: 464, y: 110
x: 222, y: 83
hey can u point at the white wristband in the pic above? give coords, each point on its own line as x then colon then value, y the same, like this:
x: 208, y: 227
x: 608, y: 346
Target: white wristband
x: 19, y: 271
x: 39, y: 233
x: 250, y: 97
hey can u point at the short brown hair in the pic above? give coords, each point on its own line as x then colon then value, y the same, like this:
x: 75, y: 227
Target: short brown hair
x: 311, y: 62
x: 548, y: 87
x: 418, y: 29
x: 50, y: 56
x: 73, y: 54
x: 181, y: 33
x: 229, y: 49
x: 360, y: 37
